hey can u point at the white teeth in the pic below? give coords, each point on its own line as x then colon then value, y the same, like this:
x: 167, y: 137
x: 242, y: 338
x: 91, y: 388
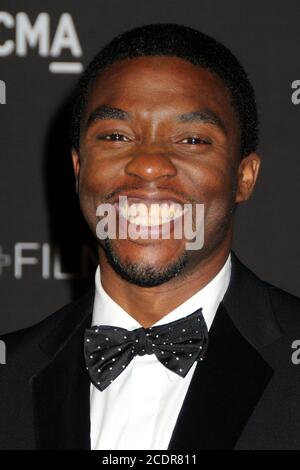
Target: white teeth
x: 142, y: 210
x: 154, y: 211
x: 155, y: 214
x: 131, y: 210
x: 165, y: 212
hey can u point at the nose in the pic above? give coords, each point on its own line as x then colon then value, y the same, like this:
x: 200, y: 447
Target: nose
x: 150, y: 166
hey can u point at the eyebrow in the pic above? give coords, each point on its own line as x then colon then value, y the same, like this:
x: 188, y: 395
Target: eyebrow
x: 207, y: 117
x: 108, y: 112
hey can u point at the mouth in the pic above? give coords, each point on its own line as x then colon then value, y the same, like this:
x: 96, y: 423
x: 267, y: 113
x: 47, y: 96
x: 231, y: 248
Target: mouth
x: 149, y: 214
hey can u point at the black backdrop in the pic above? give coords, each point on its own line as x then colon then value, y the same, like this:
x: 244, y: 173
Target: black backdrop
x: 46, y: 252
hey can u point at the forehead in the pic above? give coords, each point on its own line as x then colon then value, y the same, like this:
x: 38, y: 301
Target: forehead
x: 147, y: 84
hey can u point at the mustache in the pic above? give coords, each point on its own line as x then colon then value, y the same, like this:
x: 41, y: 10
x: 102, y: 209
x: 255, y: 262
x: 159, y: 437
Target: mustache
x: 123, y: 189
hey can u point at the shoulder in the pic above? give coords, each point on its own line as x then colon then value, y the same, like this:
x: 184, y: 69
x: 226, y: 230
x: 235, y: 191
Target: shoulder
x: 265, y: 307
x: 33, y: 335
x: 286, y: 307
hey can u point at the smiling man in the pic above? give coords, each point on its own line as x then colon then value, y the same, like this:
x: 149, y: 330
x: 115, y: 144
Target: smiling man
x: 174, y: 347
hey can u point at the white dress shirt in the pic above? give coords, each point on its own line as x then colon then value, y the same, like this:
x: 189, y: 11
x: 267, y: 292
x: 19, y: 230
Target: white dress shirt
x: 139, y: 409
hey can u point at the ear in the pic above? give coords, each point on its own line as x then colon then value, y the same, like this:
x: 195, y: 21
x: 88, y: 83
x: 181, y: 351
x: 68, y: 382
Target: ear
x: 247, y: 175
x: 76, y: 167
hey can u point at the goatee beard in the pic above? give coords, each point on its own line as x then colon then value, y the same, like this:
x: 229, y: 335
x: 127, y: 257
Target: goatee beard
x: 144, y: 275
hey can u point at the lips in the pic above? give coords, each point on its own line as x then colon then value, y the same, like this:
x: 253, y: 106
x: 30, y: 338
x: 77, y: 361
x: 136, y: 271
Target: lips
x: 149, y: 197
x: 152, y: 213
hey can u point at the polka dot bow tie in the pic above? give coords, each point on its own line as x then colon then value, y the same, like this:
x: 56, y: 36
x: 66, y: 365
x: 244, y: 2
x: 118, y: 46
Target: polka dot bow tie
x: 177, y: 345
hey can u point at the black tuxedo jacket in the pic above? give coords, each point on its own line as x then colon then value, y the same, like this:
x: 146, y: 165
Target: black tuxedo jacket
x: 244, y: 395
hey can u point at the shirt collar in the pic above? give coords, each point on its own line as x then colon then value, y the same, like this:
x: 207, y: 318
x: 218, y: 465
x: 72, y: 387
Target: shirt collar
x: 107, y: 312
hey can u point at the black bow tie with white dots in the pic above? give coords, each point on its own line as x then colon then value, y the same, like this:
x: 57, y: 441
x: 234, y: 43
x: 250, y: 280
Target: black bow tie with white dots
x: 177, y: 345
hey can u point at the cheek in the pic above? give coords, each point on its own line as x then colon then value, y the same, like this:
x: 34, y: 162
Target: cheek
x: 215, y: 189
x: 214, y: 184
x: 93, y: 176
x: 91, y: 190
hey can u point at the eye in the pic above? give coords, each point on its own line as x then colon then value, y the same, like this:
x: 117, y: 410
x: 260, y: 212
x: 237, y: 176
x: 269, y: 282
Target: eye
x: 194, y: 141
x: 114, y: 136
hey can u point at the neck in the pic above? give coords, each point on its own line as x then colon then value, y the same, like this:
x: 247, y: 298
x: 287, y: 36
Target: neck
x: 149, y: 305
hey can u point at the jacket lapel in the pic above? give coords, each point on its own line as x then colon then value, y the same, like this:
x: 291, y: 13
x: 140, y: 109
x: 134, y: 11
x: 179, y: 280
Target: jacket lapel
x: 61, y: 390
x: 228, y: 384
x: 223, y: 393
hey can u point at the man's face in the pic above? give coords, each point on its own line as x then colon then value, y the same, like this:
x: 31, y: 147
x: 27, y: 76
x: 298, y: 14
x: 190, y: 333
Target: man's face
x: 160, y: 130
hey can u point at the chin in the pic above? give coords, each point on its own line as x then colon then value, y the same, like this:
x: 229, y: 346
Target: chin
x: 142, y: 269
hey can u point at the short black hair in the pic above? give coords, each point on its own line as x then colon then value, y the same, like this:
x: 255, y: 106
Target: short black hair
x: 183, y: 42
